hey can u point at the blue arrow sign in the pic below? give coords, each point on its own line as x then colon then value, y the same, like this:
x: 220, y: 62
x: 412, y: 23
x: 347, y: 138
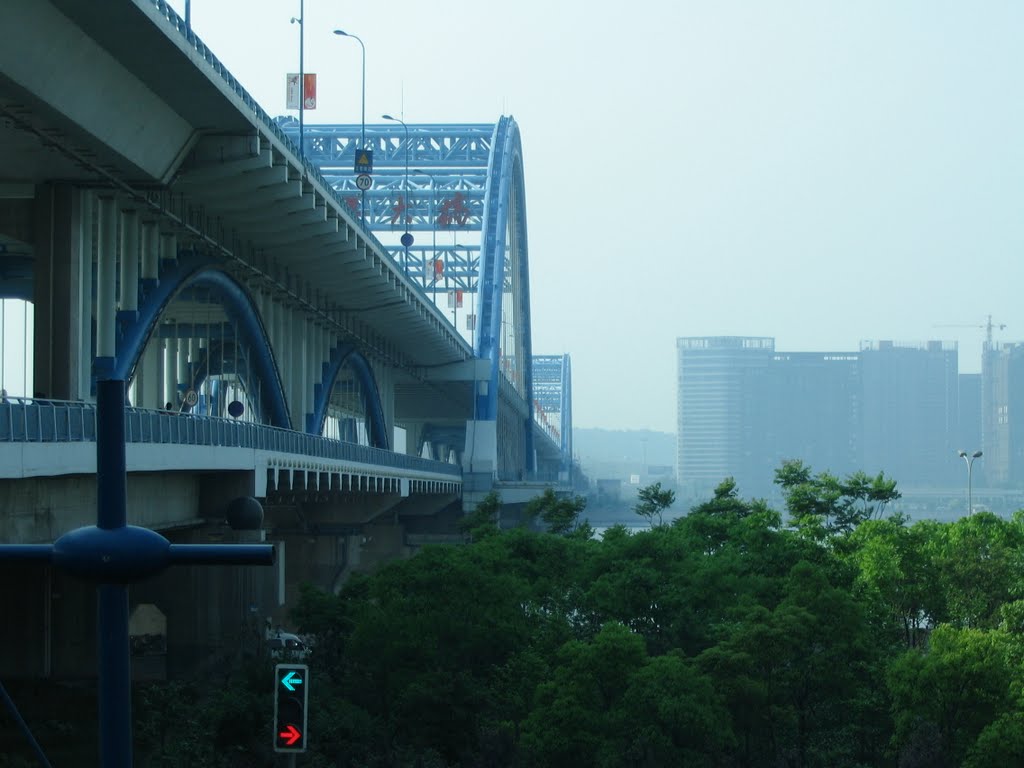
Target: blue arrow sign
x: 290, y: 680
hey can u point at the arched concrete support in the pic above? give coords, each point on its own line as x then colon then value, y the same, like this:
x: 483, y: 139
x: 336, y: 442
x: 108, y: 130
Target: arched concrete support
x: 193, y: 270
x: 346, y: 355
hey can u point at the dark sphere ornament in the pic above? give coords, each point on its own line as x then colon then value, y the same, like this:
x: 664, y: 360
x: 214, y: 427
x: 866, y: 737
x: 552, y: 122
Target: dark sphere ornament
x: 407, y: 240
x: 244, y: 514
x: 235, y: 409
x: 121, y: 555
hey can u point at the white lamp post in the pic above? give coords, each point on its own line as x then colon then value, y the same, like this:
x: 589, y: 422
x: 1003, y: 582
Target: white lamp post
x: 362, y: 132
x: 970, y: 465
x: 407, y: 239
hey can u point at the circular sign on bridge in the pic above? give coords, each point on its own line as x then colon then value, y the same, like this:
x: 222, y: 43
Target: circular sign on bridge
x: 364, y: 181
x: 191, y: 398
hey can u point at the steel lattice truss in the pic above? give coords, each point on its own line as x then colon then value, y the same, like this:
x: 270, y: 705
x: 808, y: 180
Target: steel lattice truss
x: 442, y: 194
x: 462, y: 184
x: 552, y: 396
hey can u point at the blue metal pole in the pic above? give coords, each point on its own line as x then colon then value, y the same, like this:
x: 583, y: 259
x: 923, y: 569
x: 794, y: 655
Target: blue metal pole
x: 111, y: 476
x: 115, y: 679
x: 115, y: 692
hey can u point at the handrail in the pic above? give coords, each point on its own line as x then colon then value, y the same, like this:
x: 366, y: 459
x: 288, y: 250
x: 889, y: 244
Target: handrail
x: 36, y: 420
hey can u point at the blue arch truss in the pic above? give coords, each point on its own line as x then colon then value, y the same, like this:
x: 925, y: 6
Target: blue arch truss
x: 342, y: 355
x: 192, y: 270
x: 451, y: 181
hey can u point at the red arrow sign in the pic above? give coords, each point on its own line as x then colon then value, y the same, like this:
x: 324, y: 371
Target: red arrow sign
x: 290, y: 735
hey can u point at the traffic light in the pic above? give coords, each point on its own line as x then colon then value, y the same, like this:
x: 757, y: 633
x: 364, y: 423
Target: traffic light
x: 291, y: 694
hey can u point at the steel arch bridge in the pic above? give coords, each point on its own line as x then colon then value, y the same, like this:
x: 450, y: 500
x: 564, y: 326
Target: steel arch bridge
x: 463, y: 184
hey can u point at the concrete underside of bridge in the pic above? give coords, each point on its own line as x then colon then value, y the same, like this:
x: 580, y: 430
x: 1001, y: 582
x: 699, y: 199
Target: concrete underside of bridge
x: 124, y: 152
x: 212, y: 613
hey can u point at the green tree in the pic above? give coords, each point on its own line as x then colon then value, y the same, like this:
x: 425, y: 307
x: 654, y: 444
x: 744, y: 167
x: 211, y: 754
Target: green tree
x: 561, y: 514
x: 482, y: 521
x: 951, y: 692
x: 978, y: 558
x: 897, y: 576
x: 822, y: 505
x: 571, y: 723
x: 652, y: 501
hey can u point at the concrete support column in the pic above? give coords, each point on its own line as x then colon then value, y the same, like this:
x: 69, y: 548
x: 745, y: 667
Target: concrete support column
x: 84, y: 327
x: 62, y: 295
x: 279, y: 349
x: 182, y: 369
x: 150, y: 251
x: 481, y: 453
x: 301, y: 379
x: 170, y: 349
x: 106, y: 282
x: 129, y: 260
x: 148, y: 390
x: 168, y: 247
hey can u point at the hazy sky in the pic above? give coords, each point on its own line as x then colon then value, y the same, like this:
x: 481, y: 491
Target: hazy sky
x: 821, y: 172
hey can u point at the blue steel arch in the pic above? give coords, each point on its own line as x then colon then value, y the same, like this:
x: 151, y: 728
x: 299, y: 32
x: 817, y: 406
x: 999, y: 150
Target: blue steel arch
x: 193, y: 270
x: 504, y: 214
x: 341, y: 355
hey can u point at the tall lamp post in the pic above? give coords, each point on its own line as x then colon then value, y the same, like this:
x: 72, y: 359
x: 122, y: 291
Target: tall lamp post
x: 407, y: 239
x: 969, y: 460
x: 362, y: 123
x: 302, y: 74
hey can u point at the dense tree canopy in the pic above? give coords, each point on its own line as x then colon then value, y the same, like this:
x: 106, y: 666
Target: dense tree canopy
x: 826, y: 634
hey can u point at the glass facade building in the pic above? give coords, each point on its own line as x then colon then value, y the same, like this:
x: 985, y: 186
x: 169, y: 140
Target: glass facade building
x: 744, y: 408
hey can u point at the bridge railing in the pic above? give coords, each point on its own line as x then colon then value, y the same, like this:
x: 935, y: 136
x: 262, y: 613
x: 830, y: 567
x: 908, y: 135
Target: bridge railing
x: 26, y: 420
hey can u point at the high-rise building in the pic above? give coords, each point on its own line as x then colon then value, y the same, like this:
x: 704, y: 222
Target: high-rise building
x: 910, y: 411
x: 1003, y: 414
x: 814, y: 410
x: 744, y: 408
x: 721, y: 382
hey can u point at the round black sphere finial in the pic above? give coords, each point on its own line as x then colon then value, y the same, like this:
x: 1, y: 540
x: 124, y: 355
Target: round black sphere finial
x: 244, y: 514
x: 407, y: 240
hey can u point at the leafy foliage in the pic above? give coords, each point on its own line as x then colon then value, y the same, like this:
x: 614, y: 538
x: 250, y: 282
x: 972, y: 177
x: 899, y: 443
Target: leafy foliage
x: 560, y: 514
x: 652, y: 502
x: 722, y: 639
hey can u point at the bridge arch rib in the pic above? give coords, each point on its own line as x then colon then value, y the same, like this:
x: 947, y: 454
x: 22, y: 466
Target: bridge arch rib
x: 346, y: 355
x: 503, y: 292
x: 194, y: 271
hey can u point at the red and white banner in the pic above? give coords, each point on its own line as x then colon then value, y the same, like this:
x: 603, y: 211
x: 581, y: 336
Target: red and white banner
x: 292, y: 91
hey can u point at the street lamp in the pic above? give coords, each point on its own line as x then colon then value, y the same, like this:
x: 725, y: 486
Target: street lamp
x: 407, y: 239
x: 433, y: 231
x: 362, y: 134
x: 302, y: 74
x: 970, y: 464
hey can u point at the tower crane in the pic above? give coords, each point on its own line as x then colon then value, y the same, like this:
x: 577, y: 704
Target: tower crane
x: 988, y: 326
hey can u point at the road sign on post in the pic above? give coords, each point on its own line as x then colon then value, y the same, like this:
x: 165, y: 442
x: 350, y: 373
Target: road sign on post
x: 291, y: 694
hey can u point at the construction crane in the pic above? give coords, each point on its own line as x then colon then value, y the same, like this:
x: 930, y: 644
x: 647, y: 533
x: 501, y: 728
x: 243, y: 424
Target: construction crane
x: 988, y: 326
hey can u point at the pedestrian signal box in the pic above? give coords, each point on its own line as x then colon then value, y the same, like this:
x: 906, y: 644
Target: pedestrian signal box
x: 291, y: 695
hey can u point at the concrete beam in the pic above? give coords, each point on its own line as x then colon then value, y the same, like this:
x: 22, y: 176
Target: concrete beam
x: 73, y: 75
